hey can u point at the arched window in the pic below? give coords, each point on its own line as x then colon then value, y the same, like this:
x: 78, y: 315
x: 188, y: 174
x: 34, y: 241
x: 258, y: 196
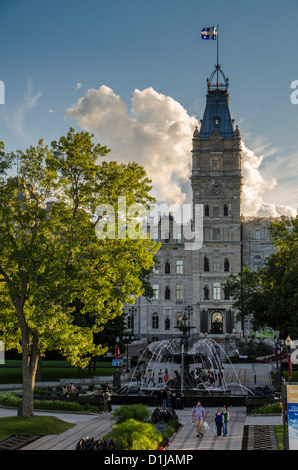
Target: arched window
x: 167, y: 323
x: 130, y: 321
x: 206, y: 210
x: 227, y: 265
x: 167, y: 293
x: 167, y: 267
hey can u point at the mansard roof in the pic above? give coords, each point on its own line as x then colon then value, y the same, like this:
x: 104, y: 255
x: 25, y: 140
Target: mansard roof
x: 217, y: 112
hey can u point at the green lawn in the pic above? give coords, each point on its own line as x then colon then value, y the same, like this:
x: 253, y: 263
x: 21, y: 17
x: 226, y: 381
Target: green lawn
x: 279, y: 436
x: 33, y: 426
x: 51, y: 371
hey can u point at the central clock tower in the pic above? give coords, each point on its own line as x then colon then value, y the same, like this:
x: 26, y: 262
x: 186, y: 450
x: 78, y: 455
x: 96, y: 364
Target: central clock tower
x: 216, y: 184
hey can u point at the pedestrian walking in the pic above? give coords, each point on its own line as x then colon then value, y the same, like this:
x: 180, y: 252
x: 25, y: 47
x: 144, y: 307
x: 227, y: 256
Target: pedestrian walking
x: 164, y: 399
x: 107, y: 401
x: 169, y: 398
x: 218, y: 420
x: 226, y: 417
x: 198, y: 416
x: 160, y: 375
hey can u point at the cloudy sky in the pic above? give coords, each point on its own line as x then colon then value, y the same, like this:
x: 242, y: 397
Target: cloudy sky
x: 134, y: 73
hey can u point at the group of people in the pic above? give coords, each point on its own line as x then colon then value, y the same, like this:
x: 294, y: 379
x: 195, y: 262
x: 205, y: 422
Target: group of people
x: 148, y: 377
x: 221, y: 420
x: 67, y: 389
x: 206, y: 376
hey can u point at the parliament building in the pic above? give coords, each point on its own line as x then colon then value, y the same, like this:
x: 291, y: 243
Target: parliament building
x: 189, y: 281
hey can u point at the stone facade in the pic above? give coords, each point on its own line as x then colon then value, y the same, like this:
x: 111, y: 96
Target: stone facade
x: 192, y: 281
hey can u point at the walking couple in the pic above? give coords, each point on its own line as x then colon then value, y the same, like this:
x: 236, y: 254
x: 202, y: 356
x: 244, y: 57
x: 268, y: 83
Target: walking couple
x: 221, y: 421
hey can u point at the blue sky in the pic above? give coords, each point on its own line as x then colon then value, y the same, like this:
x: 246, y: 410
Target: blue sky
x: 47, y: 48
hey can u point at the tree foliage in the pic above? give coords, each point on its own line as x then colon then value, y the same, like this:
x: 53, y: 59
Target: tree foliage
x: 269, y: 296
x: 50, y: 254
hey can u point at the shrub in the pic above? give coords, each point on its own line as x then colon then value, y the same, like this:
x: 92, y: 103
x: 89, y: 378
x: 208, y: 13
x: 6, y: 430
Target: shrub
x: 267, y: 409
x: 9, y: 399
x: 138, y: 412
x: 135, y: 435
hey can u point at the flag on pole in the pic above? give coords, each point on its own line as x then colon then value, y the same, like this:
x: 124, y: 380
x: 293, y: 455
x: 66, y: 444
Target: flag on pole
x: 117, y: 352
x: 209, y: 33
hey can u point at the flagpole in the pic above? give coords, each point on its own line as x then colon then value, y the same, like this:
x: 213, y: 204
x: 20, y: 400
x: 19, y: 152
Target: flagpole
x: 217, y: 37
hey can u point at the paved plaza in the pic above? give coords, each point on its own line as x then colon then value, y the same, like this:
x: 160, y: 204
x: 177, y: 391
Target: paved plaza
x: 244, y: 432
x: 185, y: 439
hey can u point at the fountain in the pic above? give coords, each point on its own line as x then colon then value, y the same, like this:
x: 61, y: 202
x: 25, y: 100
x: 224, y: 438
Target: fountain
x: 186, y: 358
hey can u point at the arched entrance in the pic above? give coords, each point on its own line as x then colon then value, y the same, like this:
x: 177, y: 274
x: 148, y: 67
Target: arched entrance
x: 216, y: 323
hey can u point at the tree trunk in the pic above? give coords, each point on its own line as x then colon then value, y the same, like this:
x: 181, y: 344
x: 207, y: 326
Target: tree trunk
x: 29, y: 367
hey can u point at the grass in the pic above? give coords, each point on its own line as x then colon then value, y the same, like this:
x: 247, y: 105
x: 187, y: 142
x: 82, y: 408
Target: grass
x: 279, y: 436
x: 53, y: 371
x: 33, y: 426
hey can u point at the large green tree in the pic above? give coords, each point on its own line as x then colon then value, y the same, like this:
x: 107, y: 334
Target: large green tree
x: 269, y: 296
x: 51, y: 255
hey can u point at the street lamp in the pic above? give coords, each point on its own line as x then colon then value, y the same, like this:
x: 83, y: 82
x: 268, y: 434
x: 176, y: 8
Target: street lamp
x: 288, y: 344
x: 127, y: 337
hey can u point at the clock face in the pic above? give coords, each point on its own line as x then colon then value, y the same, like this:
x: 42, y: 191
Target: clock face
x: 216, y: 189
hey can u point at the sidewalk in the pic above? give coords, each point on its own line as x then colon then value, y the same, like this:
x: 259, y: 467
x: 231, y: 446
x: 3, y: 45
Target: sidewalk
x: 184, y: 440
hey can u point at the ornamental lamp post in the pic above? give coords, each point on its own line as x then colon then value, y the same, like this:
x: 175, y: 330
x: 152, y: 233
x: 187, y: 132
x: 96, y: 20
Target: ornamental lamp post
x: 128, y: 337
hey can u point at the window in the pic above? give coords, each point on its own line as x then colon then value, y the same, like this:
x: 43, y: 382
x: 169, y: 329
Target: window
x: 257, y: 262
x: 155, y: 321
x: 258, y: 234
x: 155, y: 236
x: 155, y: 269
x: 226, y: 210
x: 216, y: 234
x: 216, y: 210
x: 155, y: 288
x: 179, y: 292
x: 130, y: 321
x: 179, y: 237
x: 167, y: 267
x: 207, y: 211
x: 216, y: 264
x: 167, y: 293
x: 179, y: 266
x: 216, y: 290
x: 216, y: 163
x: 226, y: 265
x: 167, y: 323
x: 167, y: 237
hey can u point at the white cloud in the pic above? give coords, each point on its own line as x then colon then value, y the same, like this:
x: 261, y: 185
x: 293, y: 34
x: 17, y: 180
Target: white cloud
x: 157, y: 133
x: 78, y: 85
x: 255, y: 186
x: 17, y: 119
x: 51, y: 110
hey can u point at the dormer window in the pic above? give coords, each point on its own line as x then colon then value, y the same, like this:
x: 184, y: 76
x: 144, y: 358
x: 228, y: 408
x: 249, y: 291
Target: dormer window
x: 216, y: 121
